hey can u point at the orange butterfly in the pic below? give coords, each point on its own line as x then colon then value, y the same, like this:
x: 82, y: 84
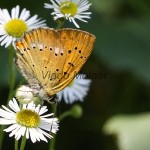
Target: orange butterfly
x: 49, y: 59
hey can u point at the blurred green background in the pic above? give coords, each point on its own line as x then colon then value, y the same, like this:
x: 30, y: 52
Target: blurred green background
x: 122, y: 50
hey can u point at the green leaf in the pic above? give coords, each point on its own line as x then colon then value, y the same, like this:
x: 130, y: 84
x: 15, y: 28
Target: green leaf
x: 124, y: 45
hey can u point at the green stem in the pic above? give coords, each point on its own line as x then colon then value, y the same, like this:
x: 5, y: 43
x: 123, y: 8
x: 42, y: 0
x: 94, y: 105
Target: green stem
x: 53, y: 140
x: 60, y: 24
x: 64, y: 115
x: 1, y: 136
x: 16, y: 145
x: 23, y: 143
x: 52, y: 143
x: 12, y: 77
x: 12, y: 72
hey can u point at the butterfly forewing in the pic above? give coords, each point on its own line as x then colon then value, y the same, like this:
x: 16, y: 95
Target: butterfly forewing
x: 50, y: 59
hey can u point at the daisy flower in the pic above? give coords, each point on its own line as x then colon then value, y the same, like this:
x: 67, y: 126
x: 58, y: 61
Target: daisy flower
x: 70, y: 10
x: 28, y: 121
x: 76, y: 91
x: 13, y: 25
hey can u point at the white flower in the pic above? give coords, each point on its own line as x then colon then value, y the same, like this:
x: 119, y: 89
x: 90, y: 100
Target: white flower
x: 13, y: 25
x: 70, y: 10
x: 28, y: 121
x: 76, y: 91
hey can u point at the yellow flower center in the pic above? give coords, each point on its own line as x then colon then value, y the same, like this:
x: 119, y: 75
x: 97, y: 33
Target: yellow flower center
x: 28, y: 118
x: 68, y: 8
x: 16, y: 27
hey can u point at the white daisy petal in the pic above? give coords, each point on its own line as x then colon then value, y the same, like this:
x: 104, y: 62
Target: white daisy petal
x: 37, y: 109
x: 14, y: 105
x: 76, y: 91
x: 6, y: 122
x: 16, y: 130
x: 6, y: 110
x: 13, y: 13
x: 27, y: 133
x: 44, y: 125
x: 25, y: 14
x: 32, y: 136
x: 43, y: 110
x: 41, y: 135
x: 46, y: 5
x: 9, y: 41
x: 7, y: 35
x: 20, y: 126
x: 65, y: 95
x: 78, y: 10
x: 20, y: 132
x: 29, y: 21
x: 58, y: 2
x: 48, y: 115
x: 5, y: 15
x: 46, y: 134
x: 11, y: 128
x: 75, y: 23
x: 4, y: 41
x: 30, y: 105
x: 54, y: 3
x: 17, y: 12
x: 3, y: 37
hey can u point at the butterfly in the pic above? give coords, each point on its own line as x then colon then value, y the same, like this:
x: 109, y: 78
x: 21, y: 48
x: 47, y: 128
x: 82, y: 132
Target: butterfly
x: 49, y: 59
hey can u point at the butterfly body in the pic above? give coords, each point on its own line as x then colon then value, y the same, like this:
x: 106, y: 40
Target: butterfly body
x: 49, y: 59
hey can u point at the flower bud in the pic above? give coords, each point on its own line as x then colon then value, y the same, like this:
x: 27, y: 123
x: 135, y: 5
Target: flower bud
x: 76, y: 111
x: 24, y: 94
